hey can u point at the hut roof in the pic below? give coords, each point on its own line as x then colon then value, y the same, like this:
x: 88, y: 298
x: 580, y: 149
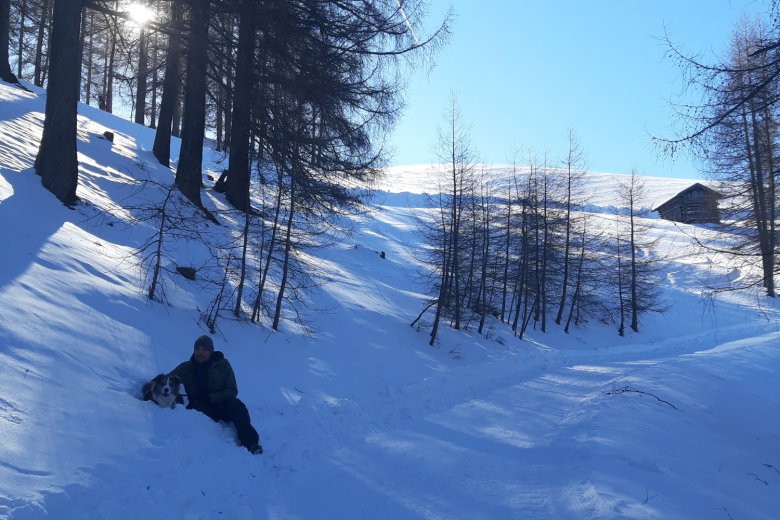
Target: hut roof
x: 689, y: 189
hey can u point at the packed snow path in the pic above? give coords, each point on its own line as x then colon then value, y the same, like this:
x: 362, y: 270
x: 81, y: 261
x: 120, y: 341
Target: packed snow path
x: 503, y: 441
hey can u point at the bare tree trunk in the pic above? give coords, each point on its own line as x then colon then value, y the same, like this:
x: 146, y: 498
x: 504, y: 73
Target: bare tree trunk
x: 220, y: 102
x: 537, y: 265
x: 577, y: 282
x: 5, y: 21
x: 143, y: 73
x: 753, y: 154
x: 90, y: 48
x: 532, y: 309
x: 244, y: 248
x: 468, y: 293
x: 769, y: 262
x: 545, y: 252
x: 170, y: 93
x: 762, y: 212
x: 155, y: 81
x: 150, y: 293
x: 455, y: 236
x: 286, y: 262
x: 237, y: 185
x: 485, y: 253
x: 178, y: 108
x: 57, y: 161
x: 229, y: 115
x: 622, y: 326
x: 440, y: 301
x: 632, y: 244
x: 272, y: 244
x: 455, y: 217
x: 38, y: 67
x: 523, y: 268
x: 189, y: 171
x: 20, y: 46
x: 109, y: 94
x: 505, y: 277
x: 567, y: 223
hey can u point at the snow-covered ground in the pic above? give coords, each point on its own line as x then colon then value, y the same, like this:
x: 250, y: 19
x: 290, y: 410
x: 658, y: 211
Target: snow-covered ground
x: 363, y: 419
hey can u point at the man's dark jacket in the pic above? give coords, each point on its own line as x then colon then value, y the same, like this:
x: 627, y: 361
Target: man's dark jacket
x: 221, y: 380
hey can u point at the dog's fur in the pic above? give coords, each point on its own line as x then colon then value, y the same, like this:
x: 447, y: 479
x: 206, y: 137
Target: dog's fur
x: 163, y: 390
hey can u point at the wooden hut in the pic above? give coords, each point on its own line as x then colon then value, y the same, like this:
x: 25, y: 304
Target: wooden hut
x: 695, y: 204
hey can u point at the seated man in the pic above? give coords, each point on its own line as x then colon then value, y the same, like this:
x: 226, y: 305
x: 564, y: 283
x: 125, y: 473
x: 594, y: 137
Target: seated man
x: 211, y: 388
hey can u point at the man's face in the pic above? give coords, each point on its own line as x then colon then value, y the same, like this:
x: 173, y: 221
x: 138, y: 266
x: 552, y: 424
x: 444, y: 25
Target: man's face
x: 202, y: 354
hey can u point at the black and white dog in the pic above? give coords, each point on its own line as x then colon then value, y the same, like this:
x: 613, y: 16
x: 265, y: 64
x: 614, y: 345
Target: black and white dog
x: 163, y: 390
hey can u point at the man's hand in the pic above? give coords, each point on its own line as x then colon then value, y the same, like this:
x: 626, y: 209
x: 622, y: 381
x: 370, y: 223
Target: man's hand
x: 200, y: 406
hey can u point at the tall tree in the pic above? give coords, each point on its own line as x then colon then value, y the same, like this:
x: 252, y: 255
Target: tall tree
x: 40, y: 43
x: 142, y: 80
x: 455, y: 150
x: 88, y: 47
x: 486, y: 221
x: 286, y: 260
x: 523, y: 285
x: 573, y: 172
x: 57, y: 161
x: 171, y: 85
x: 189, y: 170
x: 22, y: 8
x: 735, y: 132
x: 237, y: 185
x: 620, y: 277
x: 110, y: 68
x: 640, y: 264
x: 5, y: 64
x: 745, y: 152
x: 579, y: 281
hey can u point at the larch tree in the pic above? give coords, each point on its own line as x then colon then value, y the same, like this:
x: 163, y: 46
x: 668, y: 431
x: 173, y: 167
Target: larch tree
x: 22, y: 33
x: 57, y: 161
x: 743, y: 151
x: 734, y: 130
x: 5, y: 64
x: 573, y: 172
x: 638, y: 261
x: 189, y: 170
x: 171, y: 86
x: 457, y: 156
x: 142, y: 76
x: 237, y: 184
x: 41, y: 43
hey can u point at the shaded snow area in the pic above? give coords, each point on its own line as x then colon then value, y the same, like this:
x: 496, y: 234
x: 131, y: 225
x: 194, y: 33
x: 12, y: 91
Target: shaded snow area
x: 361, y: 419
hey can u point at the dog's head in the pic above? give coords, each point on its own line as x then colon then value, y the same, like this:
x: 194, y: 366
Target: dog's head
x: 165, y: 385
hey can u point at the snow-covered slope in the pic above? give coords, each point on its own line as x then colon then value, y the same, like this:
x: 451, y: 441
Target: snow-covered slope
x: 362, y: 419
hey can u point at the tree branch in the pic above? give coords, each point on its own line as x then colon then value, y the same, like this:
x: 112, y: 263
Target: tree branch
x: 634, y: 390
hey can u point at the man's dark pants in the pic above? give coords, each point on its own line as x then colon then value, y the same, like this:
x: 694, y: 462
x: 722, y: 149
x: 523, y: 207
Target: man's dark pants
x: 231, y: 410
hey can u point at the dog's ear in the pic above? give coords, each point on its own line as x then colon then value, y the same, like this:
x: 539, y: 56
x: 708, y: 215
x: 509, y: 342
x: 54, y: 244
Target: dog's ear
x: 159, y: 378
x: 176, y: 380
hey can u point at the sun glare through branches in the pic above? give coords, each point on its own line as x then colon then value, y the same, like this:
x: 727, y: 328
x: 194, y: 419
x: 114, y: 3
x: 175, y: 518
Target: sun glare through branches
x: 139, y: 13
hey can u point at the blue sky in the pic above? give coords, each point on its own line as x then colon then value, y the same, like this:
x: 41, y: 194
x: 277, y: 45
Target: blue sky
x: 525, y: 71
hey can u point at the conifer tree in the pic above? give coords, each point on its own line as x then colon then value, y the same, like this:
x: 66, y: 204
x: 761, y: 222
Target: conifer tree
x: 57, y: 162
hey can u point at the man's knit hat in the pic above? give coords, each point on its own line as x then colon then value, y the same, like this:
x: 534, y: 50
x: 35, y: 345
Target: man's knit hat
x: 204, y: 341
